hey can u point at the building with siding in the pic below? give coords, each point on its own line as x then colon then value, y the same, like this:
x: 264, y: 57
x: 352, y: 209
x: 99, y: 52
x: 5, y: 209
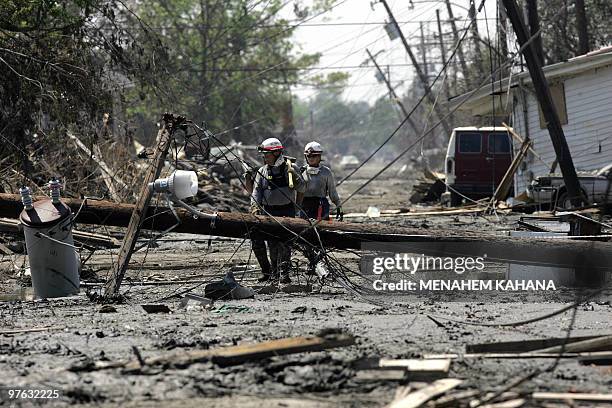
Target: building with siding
x: 582, y: 92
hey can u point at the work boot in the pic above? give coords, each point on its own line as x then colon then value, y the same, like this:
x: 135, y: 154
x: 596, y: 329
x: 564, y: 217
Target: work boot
x: 265, y: 278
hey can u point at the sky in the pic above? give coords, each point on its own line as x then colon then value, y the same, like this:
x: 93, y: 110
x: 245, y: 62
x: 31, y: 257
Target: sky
x: 342, y: 35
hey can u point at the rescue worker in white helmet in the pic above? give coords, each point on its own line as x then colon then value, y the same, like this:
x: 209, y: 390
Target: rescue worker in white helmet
x: 277, y: 187
x: 320, y: 184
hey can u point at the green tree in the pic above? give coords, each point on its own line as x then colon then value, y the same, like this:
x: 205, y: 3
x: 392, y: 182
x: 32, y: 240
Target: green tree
x: 231, y: 65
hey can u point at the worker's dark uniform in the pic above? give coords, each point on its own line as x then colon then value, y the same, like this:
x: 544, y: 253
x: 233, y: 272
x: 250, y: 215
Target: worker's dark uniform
x: 272, y: 193
x: 258, y: 245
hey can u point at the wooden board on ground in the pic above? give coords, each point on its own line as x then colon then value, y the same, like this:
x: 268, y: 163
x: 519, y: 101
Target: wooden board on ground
x: 441, y: 365
x: 379, y: 375
x: 570, y: 396
x: 602, y: 343
x: 514, y: 403
x: 456, y: 211
x: 417, y: 398
x: 239, y: 354
x: 521, y: 346
x: 452, y: 356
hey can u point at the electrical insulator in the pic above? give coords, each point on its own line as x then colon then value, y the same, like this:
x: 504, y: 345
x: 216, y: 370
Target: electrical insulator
x: 26, y: 197
x: 54, y: 186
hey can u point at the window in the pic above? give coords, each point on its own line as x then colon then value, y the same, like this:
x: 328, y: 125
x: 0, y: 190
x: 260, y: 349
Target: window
x: 557, y: 91
x: 499, y: 143
x: 470, y: 143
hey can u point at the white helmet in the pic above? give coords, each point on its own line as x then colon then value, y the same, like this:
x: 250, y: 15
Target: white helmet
x: 313, y: 148
x: 270, y: 145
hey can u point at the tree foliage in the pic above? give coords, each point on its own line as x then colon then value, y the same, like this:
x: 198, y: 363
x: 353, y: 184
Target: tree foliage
x: 67, y: 64
x: 559, y: 32
x: 231, y: 64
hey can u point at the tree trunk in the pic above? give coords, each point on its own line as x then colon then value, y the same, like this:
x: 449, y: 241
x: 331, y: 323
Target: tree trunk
x: 581, y: 25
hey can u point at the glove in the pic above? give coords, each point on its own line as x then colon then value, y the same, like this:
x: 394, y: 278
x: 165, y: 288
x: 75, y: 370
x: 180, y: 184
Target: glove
x: 339, y: 214
x: 254, y: 210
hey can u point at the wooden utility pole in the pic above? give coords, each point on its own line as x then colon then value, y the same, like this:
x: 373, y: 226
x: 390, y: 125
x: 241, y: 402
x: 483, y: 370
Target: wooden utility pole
x: 443, y: 56
x: 582, y: 26
x: 542, y: 91
x: 379, y: 237
x: 424, y: 51
x: 419, y: 71
x: 476, y: 39
x: 169, y: 124
x: 394, y: 95
x: 460, y: 55
x: 534, y: 26
x: 503, y: 38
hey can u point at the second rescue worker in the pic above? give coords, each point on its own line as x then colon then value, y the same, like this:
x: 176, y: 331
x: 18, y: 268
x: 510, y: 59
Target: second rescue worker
x: 320, y: 184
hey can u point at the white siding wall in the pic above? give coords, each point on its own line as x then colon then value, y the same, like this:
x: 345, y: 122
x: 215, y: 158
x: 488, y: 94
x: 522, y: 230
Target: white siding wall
x: 588, y: 98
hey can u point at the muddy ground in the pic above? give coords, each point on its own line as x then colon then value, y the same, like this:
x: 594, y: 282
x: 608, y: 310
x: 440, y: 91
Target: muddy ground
x: 78, y: 332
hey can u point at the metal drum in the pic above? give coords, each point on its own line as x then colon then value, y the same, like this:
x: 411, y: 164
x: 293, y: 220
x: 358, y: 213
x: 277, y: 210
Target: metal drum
x: 53, y: 260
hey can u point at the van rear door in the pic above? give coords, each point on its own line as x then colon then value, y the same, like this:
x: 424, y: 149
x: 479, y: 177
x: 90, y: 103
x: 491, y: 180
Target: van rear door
x: 499, y: 156
x: 469, y: 161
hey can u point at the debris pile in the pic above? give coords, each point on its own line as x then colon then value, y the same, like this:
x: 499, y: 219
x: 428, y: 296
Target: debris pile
x: 428, y: 188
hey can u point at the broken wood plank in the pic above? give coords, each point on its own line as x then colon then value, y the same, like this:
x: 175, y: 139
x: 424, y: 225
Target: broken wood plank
x: 521, y: 141
x: 570, y: 396
x: 414, y: 369
x: 519, y: 355
x: 521, y: 346
x: 514, y: 403
x: 380, y: 375
x: 492, y: 398
x: 597, y: 361
x: 602, y: 343
x: 454, y: 399
x: 239, y: 354
x: 418, y: 398
x: 503, y: 188
x: 413, y: 365
x: 170, y: 122
x: 108, y: 176
x: 27, y: 330
x: 458, y: 211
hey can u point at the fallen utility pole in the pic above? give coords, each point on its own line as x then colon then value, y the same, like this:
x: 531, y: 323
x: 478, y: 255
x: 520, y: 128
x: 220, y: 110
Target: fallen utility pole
x: 169, y: 123
x: 592, y: 258
x: 570, y: 178
x: 419, y: 71
x: 393, y: 94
